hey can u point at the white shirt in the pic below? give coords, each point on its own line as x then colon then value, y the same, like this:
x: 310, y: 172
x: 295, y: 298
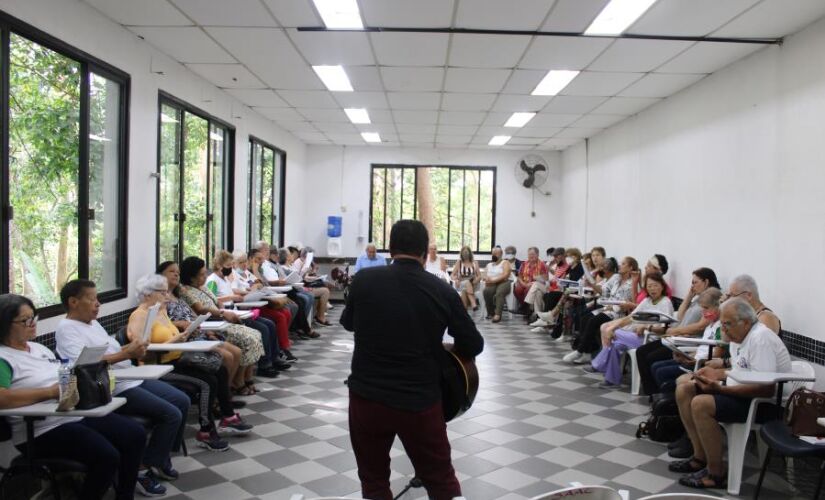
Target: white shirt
x: 223, y: 286
x: 433, y: 266
x: 270, y: 271
x: 33, y: 369
x: 710, y: 334
x: 760, y: 351
x: 663, y: 306
x: 494, y: 270
x: 72, y: 336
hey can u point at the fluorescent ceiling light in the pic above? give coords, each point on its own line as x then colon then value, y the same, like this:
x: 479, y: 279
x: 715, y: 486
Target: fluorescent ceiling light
x: 617, y: 16
x: 499, y: 140
x: 357, y: 115
x: 339, y: 14
x: 554, y: 81
x: 519, y: 119
x: 371, y: 136
x: 99, y: 138
x: 167, y: 119
x: 334, y: 77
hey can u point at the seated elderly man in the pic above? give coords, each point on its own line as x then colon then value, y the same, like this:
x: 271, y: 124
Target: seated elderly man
x: 744, y: 286
x: 706, y: 402
x: 369, y: 259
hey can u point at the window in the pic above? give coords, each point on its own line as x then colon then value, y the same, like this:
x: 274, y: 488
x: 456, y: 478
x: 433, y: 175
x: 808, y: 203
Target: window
x: 267, y: 173
x: 64, y: 169
x: 457, y: 204
x: 195, y: 153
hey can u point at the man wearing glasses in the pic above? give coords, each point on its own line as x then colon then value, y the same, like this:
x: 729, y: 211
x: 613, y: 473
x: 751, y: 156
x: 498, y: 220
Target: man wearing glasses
x: 744, y: 286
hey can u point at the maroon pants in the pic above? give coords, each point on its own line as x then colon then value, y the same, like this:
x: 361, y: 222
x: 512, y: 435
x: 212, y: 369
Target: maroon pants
x: 373, y: 427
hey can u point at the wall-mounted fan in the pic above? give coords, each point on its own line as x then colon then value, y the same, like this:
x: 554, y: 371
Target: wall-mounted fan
x: 532, y: 172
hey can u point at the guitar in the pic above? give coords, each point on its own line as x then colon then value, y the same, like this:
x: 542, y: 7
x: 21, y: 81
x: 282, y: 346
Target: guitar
x: 459, y: 383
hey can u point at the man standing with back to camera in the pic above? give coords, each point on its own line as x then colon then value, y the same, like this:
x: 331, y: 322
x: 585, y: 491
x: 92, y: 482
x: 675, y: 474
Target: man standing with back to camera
x: 399, y: 314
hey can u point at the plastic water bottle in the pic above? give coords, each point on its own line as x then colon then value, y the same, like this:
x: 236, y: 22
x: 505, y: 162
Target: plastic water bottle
x: 111, y: 380
x: 64, y: 375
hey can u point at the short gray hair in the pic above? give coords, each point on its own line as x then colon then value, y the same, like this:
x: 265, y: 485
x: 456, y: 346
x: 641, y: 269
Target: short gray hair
x: 149, y: 284
x: 746, y: 283
x: 371, y: 244
x: 305, y: 251
x: 710, y: 297
x: 239, y: 255
x: 260, y: 244
x: 742, y: 311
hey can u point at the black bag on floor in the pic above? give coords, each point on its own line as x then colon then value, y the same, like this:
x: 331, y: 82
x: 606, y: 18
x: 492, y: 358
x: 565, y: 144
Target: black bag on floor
x: 664, y: 423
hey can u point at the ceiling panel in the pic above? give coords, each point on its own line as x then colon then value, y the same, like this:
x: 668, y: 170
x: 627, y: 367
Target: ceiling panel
x: 707, y: 57
x: 637, y: 55
x: 523, y: 81
x: 600, y: 84
x: 529, y: 131
x: 385, y: 129
x: 573, y: 15
x: 513, y: 103
x: 598, y: 121
x: 364, y: 78
x: 688, y: 17
x: 258, y: 97
x: 297, y: 127
x: 416, y: 117
x: 415, y: 128
x: 487, y: 51
x: 534, y: 141
x: 308, y: 98
x: 184, y: 44
x: 293, y: 13
x: 418, y: 138
x: 223, y: 13
x: 498, y: 14
x: 412, y: 79
x: 227, y: 75
x: 560, y: 143
x: 624, y: 105
x: 288, y: 77
x: 475, y: 80
x: 461, y: 118
x: 553, y: 120
x: 489, y: 131
x: 311, y: 136
x: 414, y: 100
x: 280, y: 114
x: 577, y: 133
x: 573, y: 104
x: 774, y: 19
x: 335, y: 127
x: 323, y: 115
x: 457, y: 129
x: 258, y: 47
x: 660, y: 85
x: 144, y: 13
x: 380, y: 116
x: 345, y: 139
x: 370, y: 100
x: 453, y: 139
x: 551, y: 52
x: 332, y: 48
x: 410, y: 49
x: 467, y: 102
x: 496, y: 119
x: 406, y: 13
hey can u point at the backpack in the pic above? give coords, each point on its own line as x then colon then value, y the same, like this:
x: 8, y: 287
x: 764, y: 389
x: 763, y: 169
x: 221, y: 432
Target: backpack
x: 664, y: 423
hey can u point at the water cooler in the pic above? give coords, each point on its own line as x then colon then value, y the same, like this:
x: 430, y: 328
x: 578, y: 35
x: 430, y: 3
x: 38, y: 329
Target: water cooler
x: 334, y: 235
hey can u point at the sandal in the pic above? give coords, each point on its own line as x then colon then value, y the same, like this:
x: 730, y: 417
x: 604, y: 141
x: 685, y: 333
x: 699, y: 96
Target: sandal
x: 686, y: 466
x: 243, y: 390
x: 496, y: 318
x: 701, y: 481
x: 250, y: 385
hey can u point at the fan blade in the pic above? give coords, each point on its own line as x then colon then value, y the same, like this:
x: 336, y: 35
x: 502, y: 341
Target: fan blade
x: 540, y: 168
x: 528, y: 182
x: 525, y: 167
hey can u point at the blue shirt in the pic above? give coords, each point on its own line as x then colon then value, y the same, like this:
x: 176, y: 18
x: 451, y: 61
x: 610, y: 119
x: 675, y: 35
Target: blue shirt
x: 364, y: 262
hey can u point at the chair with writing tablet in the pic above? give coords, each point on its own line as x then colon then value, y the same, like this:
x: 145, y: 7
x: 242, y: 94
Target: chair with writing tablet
x: 679, y: 496
x: 582, y: 493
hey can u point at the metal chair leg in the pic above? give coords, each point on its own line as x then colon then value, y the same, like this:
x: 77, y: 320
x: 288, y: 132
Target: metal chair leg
x: 819, y: 484
x: 762, y: 474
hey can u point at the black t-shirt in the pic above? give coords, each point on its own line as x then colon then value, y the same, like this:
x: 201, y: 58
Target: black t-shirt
x: 399, y: 314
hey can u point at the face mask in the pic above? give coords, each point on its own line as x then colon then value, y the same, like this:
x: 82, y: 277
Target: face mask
x: 711, y: 315
x: 569, y: 261
x: 226, y: 271
x: 494, y: 258
x: 509, y: 256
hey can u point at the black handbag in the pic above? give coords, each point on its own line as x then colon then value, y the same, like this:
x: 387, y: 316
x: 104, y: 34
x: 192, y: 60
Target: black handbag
x: 664, y: 423
x: 93, y: 385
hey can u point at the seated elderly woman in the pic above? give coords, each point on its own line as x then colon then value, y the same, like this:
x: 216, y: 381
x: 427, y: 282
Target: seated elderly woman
x: 273, y: 271
x: 531, y: 277
x: 496, y: 284
x: 620, y: 335
x: 297, y: 262
x: 436, y: 264
x: 555, y: 299
x: 154, y: 289
x: 110, y: 447
x: 162, y: 405
x: 466, y: 277
x: 202, y: 300
x: 656, y: 264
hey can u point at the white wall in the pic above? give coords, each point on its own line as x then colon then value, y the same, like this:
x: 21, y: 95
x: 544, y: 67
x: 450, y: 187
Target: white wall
x: 79, y: 25
x: 726, y: 174
x: 339, y: 177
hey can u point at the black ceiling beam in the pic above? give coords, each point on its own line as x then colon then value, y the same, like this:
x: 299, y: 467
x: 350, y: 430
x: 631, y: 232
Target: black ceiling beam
x: 469, y: 31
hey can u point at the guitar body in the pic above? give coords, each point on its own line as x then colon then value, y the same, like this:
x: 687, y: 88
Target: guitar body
x: 459, y: 383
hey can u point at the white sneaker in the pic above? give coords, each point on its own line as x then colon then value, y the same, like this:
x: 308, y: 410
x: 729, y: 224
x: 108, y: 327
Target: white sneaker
x: 539, y: 322
x: 547, y: 316
x: 585, y: 358
x: 330, y: 307
x: 572, y: 357
x: 539, y: 329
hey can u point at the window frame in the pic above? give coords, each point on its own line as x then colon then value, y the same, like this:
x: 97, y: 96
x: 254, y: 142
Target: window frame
x: 165, y: 98
x: 88, y: 64
x: 450, y: 168
x: 250, y: 238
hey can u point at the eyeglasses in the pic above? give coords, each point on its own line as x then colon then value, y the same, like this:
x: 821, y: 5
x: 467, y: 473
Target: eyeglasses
x: 28, y: 322
x: 163, y: 290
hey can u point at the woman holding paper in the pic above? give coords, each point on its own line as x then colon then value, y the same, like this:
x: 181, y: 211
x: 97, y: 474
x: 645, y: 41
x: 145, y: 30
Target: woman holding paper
x: 531, y: 272
x: 303, y: 266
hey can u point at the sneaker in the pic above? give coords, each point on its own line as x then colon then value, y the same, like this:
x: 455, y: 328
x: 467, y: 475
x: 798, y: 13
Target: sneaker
x: 548, y: 316
x: 281, y: 365
x: 539, y: 322
x: 211, y: 441
x: 539, y: 329
x: 166, y: 472
x: 572, y: 357
x: 234, y: 425
x: 148, y: 486
x: 584, y: 358
x: 287, y: 356
x: 330, y: 307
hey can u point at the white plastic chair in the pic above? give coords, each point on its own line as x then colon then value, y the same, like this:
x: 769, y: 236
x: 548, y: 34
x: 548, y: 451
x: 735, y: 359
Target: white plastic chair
x: 738, y: 433
x: 582, y: 493
x: 298, y: 496
x: 679, y: 496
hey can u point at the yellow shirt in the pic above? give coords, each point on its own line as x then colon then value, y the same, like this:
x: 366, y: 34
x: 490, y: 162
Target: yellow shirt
x: 162, y: 330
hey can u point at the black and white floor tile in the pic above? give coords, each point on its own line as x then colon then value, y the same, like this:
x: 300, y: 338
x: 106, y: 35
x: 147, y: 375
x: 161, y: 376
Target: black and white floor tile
x: 537, y: 425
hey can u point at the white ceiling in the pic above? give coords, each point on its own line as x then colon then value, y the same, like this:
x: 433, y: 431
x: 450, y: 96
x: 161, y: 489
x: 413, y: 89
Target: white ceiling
x: 451, y: 90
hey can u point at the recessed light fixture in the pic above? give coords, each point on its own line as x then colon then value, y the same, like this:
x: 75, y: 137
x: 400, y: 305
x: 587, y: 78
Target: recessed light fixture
x: 554, y: 81
x: 499, y: 140
x: 357, y: 115
x: 334, y: 77
x: 371, y: 136
x: 519, y: 119
x: 617, y: 16
x: 339, y: 14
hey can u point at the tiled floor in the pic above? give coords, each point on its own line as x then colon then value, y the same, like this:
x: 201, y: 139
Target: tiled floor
x: 537, y: 425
